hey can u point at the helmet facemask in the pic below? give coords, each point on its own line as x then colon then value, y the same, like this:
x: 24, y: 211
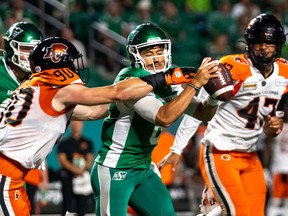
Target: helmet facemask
x: 139, y: 62
x: 75, y: 63
x: 262, y: 59
x: 19, y: 40
x: 57, y: 53
x: 21, y: 53
x: 80, y: 68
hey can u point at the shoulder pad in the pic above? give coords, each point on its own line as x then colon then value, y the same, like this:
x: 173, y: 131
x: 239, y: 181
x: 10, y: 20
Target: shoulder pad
x: 238, y: 65
x: 283, y: 67
x: 282, y: 61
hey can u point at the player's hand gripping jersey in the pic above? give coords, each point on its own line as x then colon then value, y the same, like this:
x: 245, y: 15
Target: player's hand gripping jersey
x: 238, y: 122
x: 35, y: 125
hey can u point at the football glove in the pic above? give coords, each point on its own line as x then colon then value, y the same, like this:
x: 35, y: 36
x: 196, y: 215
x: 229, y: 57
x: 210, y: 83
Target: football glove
x: 180, y: 75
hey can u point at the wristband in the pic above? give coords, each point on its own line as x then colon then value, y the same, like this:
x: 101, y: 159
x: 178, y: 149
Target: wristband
x: 157, y: 81
x: 193, y: 86
x: 280, y: 114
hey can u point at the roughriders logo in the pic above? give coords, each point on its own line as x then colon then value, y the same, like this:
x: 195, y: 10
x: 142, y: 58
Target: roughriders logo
x: 55, y: 51
x: 121, y: 175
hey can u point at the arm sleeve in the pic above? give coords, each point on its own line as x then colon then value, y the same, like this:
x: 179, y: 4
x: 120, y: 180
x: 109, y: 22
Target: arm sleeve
x: 202, y: 95
x: 185, y: 131
x: 188, y: 125
x: 147, y: 107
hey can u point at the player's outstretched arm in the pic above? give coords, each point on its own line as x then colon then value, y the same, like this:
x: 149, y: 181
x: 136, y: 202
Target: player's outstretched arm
x: 92, y: 102
x: 136, y: 88
x: 129, y: 89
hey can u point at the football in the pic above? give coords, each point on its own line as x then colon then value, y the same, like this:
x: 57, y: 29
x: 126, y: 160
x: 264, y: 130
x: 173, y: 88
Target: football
x: 221, y: 88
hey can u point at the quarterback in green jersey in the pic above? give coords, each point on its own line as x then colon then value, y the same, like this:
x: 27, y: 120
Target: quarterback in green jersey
x: 121, y: 174
x: 19, y: 40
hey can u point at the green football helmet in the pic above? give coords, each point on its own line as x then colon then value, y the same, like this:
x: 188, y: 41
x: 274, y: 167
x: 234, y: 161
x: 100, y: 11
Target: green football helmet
x: 146, y: 35
x: 19, y: 40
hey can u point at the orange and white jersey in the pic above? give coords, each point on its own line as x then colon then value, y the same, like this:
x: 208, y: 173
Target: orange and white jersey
x: 30, y: 127
x: 238, y: 122
x: 280, y: 151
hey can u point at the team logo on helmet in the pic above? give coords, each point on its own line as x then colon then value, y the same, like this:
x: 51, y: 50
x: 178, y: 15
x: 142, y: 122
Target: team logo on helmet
x: 55, y: 52
x: 13, y: 33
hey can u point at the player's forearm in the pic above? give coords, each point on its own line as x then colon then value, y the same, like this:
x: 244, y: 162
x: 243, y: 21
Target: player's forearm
x: 171, y: 111
x: 131, y: 89
x: 84, y: 113
x: 204, y: 112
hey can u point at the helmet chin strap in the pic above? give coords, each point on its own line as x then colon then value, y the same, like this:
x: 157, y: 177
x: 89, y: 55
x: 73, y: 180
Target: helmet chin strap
x: 264, y: 65
x: 261, y: 61
x: 154, y: 70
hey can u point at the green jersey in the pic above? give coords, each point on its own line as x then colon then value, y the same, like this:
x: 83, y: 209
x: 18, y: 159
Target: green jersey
x: 129, y: 139
x: 8, y: 83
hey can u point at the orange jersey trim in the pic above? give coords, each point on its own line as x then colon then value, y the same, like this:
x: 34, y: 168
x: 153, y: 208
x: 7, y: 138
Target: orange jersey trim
x: 283, y: 67
x: 50, y: 82
x: 239, y: 67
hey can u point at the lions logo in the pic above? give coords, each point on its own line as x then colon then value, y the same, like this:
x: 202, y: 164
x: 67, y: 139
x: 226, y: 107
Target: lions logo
x: 225, y: 157
x: 17, y: 195
x: 55, y: 52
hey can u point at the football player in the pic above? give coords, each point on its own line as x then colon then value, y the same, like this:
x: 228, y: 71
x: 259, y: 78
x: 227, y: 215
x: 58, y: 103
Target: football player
x: 228, y: 160
x: 277, y: 155
x: 19, y: 40
x: 121, y: 174
x: 40, y: 109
